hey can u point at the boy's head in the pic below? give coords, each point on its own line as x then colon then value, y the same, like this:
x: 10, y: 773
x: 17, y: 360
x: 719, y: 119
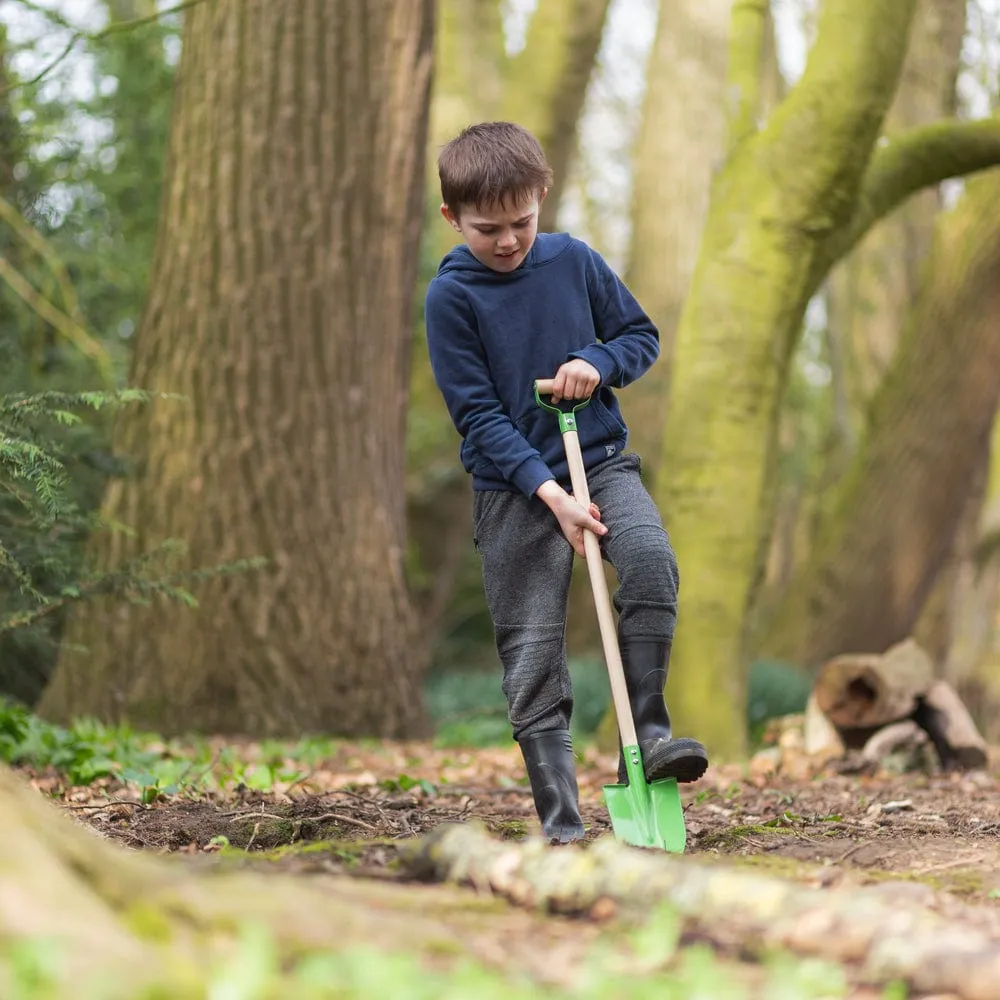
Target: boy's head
x: 494, y: 177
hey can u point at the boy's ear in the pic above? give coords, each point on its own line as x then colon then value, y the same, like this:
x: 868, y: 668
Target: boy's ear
x: 541, y: 196
x: 450, y: 218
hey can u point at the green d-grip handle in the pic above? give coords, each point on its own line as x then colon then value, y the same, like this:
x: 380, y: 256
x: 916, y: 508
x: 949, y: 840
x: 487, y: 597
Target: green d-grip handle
x: 567, y: 418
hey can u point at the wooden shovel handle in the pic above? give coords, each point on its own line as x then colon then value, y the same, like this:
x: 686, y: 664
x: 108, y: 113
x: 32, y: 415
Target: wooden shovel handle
x: 602, y: 600
x: 544, y: 386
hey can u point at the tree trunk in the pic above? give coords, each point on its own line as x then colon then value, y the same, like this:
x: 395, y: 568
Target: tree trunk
x: 776, y: 201
x: 970, y: 664
x: 896, y: 516
x: 872, y: 288
x: 866, y: 690
x: 680, y: 145
x: 563, y: 40
x: 935, y: 626
x: 119, y: 921
x: 281, y: 308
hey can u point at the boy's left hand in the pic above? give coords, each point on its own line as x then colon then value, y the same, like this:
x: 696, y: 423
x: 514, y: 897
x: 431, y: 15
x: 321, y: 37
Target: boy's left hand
x: 576, y: 379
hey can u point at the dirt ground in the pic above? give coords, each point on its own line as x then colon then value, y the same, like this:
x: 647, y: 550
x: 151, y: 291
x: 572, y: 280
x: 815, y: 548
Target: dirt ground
x: 929, y: 839
x: 940, y: 831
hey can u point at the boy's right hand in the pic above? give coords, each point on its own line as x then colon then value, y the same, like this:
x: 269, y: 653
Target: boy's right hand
x: 573, y: 519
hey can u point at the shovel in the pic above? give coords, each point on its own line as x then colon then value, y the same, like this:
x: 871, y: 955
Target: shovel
x: 643, y: 813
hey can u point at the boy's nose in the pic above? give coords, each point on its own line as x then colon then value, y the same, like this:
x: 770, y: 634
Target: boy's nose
x: 507, y: 240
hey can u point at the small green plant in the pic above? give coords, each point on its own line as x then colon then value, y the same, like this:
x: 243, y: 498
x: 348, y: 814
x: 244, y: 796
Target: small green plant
x: 85, y: 751
x: 404, y: 783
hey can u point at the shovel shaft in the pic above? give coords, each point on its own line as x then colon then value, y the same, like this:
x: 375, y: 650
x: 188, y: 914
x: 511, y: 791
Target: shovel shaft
x: 602, y: 600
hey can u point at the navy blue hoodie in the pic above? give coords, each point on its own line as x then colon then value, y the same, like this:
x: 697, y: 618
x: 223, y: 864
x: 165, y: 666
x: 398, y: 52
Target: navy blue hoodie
x: 491, y: 334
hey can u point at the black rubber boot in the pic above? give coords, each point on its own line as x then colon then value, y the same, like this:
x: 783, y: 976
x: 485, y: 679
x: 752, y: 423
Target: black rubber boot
x: 551, y: 768
x: 645, y: 662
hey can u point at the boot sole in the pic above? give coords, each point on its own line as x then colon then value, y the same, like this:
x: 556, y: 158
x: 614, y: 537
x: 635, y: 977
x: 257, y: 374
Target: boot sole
x: 684, y: 760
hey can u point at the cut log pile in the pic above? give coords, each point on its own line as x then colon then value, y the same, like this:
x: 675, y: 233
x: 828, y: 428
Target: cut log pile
x: 877, y: 705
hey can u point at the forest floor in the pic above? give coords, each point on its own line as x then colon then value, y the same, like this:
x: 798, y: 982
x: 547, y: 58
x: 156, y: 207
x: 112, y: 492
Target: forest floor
x: 933, y: 840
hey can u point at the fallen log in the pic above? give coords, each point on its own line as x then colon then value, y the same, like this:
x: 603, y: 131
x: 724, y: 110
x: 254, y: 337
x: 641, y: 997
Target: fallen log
x: 858, y: 700
x: 859, y: 691
x: 890, y: 940
x: 944, y: 717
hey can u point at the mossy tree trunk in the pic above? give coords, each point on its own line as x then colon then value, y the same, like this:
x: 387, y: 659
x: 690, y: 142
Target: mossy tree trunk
x: 281, y: 308
x: 790, y: 199
x: 895, y: 518
x: 680, y: 145
x: 972, y: 663
x: 875, y: 285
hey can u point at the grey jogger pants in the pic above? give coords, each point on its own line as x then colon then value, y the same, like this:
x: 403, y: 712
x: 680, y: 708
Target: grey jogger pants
x: 527, y: 564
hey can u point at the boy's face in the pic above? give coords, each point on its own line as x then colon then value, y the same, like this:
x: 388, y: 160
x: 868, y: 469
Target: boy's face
x: 498, y: 237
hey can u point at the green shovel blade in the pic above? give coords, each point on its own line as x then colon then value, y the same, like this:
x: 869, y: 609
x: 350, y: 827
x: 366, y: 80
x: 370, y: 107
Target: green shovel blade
x: 643, y: 813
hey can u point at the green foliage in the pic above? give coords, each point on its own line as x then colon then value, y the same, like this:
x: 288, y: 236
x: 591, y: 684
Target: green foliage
x: 46, y: 515
x: 775, y: 689
x: 469, y: 709
x: 81, y: 164
x: 84, y: 752
x: 88, y: 750
x: 41, y: 565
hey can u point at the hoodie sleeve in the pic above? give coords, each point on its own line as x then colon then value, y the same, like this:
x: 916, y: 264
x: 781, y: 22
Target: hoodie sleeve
x: 628, y: 342
x: 458, y: 362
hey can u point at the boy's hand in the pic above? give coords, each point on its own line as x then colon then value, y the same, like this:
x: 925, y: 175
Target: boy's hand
x: 576, y: 379
x: 572, y: 518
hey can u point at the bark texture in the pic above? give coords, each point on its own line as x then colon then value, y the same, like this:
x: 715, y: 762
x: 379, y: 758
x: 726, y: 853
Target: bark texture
x: 281, y: 308
x: 864, y: 691
x: 896, y: 515
x: 790, y: 200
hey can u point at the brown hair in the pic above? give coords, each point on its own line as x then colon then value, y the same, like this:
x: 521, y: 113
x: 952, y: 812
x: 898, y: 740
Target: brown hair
x: 489, y: 163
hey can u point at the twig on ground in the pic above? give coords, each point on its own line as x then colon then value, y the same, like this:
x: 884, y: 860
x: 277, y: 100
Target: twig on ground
x: 106, y: 805
x: 340, y: 818
x: 236, y: 817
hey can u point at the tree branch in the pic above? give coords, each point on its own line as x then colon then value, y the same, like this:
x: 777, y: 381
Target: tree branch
x: 833, y: 115
x: 66, y: 325
x: 91, y: 36
x: 914, y: 159
x: 749, y: 24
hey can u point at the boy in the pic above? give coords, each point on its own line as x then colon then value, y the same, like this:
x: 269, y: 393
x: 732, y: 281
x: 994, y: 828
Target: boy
x: 510, y: 306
